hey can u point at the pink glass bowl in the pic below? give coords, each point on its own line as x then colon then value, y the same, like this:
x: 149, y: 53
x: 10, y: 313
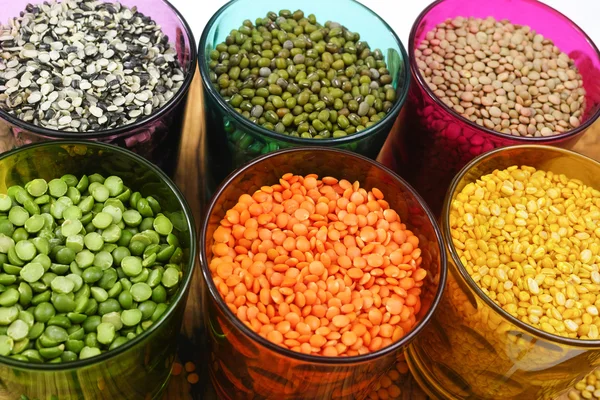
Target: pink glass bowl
x: 435, y: 142
x: 155, y: 137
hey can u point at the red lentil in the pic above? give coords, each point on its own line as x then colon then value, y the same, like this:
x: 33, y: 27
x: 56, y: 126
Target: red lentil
x: 319, y: 266
x: 193, y: 378
x: 177, y: 369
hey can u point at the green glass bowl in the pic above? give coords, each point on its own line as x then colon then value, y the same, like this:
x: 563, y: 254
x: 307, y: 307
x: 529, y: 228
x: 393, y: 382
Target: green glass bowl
x: 139, y: 369
x: 234, y: 140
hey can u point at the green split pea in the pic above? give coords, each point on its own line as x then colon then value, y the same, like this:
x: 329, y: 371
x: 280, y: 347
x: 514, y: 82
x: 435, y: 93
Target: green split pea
x: 86, y: 265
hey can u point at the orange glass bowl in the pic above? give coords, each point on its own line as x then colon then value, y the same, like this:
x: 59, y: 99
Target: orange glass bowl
x: 245, y: 365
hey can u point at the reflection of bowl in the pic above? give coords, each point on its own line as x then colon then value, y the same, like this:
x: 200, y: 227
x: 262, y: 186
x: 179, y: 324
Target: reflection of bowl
x: 140, y: 368
x: 475, y: 349
x: 436, y: 142
x: 244, y: 362
x: 155, y: 137
x: 235, y: 140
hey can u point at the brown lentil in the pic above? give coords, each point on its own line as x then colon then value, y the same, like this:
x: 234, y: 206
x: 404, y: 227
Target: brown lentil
x: 530, y: 240
x: 502, y: 76
x: 319, y: 266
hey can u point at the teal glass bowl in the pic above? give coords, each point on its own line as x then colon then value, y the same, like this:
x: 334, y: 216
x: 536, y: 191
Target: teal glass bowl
x: 139, y: 369
x: 234, y: 140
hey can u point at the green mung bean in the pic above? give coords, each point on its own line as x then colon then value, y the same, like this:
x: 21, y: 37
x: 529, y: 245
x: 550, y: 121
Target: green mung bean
x: 287, y: 61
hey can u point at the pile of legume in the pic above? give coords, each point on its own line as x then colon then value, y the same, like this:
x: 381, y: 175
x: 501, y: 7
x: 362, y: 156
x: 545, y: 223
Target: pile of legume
x: 530, y: 240
x: 320, y: 267
x: 502, y: 76
x: 290, y: 74
x: 83, y: 65
x: 87, y: 265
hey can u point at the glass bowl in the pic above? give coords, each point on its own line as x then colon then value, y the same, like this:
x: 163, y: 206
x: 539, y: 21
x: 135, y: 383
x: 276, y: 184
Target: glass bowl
x: 233, y: 140
x: 155, y: 137
x: 139, y: 369
x: 245, y: 365
x: 473, y: 348
x: 435, y: 142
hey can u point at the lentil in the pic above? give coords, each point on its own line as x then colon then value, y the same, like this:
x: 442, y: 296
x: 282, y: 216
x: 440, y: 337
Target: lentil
x: 67, y: 288
x: 502, y: 76
x: 538, y: 253
x: 319, y: 266
x: 289, y: 64
x: 82, y: 65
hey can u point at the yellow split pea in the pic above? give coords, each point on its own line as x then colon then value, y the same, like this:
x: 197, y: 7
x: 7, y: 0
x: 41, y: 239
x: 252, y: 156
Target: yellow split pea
x: 531, y: 240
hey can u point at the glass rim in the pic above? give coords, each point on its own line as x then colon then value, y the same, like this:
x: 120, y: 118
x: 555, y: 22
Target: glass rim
x: 189, y: 71
x: 257, y: 129
x: 185, y: 282
x: 450, y: 195
x: 524, y: 139
x: 323, y: 360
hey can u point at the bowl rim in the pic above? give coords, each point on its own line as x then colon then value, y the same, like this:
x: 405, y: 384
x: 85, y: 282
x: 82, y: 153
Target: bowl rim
x: 128, y: 129
x: 420, y: 82
x: 254, y: 129
x: 323, y: 360
x: 579, y: 343
x: 185, y: 282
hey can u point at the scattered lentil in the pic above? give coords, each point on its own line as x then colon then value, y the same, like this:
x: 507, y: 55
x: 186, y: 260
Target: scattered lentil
x: 502, y: 76
x: 529, y: 239
x: 319, y: 266
x: 292, y: 75
x: 63, y: 65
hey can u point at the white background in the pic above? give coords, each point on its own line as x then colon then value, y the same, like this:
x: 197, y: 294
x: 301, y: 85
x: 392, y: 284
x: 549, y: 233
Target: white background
x: 399, y: 14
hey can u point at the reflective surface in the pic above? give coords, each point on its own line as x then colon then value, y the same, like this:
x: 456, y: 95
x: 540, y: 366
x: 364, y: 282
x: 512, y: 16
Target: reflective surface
x: 139, y: 369
x: 156, y: 137
x: 234, y: 140
x: 435, y: 142
x: 243, y: 364
x: 473, y: 348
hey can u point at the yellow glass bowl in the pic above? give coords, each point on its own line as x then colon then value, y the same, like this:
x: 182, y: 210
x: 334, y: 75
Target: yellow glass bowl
x: 473, y: 349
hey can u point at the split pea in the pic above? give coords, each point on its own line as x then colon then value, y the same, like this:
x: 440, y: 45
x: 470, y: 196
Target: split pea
x: 548, y: 265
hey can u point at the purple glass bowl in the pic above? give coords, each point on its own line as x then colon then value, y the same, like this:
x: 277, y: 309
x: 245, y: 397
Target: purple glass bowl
x: 435, y: 142
x: 155, y: 137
